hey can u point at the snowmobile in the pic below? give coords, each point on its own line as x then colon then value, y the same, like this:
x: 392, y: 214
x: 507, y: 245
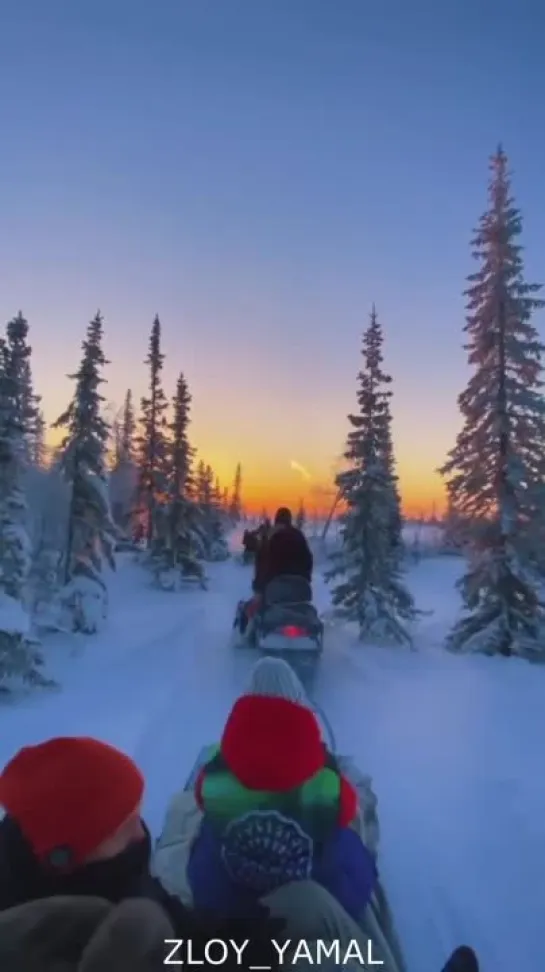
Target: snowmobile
x: 378, y: 923
x: 287, y: 623
x: 250, y: 544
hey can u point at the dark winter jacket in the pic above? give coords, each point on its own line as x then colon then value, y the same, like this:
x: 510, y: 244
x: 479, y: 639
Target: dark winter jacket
x: 286, y: 552
x: 23, y: 878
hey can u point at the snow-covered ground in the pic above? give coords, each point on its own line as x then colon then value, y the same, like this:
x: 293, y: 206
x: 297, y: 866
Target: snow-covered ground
x: 454, y: 745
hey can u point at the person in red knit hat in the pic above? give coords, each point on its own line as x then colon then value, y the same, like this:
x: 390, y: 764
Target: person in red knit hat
x: 73, y: 827
x: 276, y: 807
x: 91, y: 809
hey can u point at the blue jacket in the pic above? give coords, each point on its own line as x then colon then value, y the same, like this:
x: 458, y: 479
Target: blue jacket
x: 344, y: 867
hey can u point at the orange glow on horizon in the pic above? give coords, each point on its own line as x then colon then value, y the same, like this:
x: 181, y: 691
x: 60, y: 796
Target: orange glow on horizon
x: 264, y: 488
x: 413, y: 506
x: 420, y: 497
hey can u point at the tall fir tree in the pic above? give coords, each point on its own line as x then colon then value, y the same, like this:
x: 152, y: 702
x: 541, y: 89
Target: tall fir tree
x: 91, y: 533
x: 124, y: 475
x: 38, y: 452
x: 376, y: 360
x: 18, y: 363
x: 454, y: 527
x: 181, y: 451
x: 235, y: 510
x: 301, y: 516
x: 185, y: 536
x: 203, y: 483
x: 209, y: 501
x: 371, y: 589
x: 220, y: 548
x: 153, y: 446
x: 495, y: 472
x: 128, y: 426
x: 20, y: 657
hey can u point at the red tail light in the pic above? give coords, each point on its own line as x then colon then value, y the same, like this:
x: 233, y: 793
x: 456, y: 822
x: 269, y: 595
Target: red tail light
x: 292, y: 631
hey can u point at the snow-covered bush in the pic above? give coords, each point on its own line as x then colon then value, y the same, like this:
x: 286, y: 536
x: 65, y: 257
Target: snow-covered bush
x: 84, y: 600
x: 172, y: 571
x: 218, y: 550
x: 21, y: 659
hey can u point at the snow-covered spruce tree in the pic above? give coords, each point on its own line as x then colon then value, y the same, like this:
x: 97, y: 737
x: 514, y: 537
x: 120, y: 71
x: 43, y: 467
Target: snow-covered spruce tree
x: 48, y: 497
x: 29, y: 419
x: 128, y: 428
x: 495, y: 472
x: 26, y: 403
x: 376, y: 342
x: 236, y: 498
x: 38, y: 448
x: 301, y: 516
x: 124, y: 474
x: 225, y: 500
x: 180, y: 554
x: 219, y: 494
x: 219, y: 549
x: 210, y: 506
x: 152, y: 444
x: 371, y: 591
x: 456, y: 531
x: 91, y: 532
x: 396, y: 522
x: 20, y: 656
x: 201, y: 484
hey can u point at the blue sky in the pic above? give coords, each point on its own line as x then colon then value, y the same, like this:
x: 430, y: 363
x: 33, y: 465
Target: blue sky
x: 258, y: 172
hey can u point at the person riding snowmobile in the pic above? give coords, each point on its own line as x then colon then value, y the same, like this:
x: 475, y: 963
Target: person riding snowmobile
x: 250, y: 544
x: 286, y: 552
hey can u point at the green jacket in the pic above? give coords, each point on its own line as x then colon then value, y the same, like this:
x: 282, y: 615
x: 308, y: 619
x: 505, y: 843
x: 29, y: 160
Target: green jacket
x: 314, y: 805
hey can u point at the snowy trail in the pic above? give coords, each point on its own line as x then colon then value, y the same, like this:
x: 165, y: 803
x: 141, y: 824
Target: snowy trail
x: 452, y: 745
x: 210, y: 675
x: 157, y: 683
x: 113, y: 697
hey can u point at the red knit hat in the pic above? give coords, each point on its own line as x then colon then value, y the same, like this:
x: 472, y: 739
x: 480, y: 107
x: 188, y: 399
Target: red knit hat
x: 274, y: 744
x: 69, y: 795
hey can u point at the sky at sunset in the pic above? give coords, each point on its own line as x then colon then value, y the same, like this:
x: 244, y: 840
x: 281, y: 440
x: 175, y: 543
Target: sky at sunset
x: 258, y: 172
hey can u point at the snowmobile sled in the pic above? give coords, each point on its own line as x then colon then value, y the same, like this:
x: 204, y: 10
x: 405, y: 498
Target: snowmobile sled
x: 377, y: 922
x: 173, y: 849
x: 287, y: 623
